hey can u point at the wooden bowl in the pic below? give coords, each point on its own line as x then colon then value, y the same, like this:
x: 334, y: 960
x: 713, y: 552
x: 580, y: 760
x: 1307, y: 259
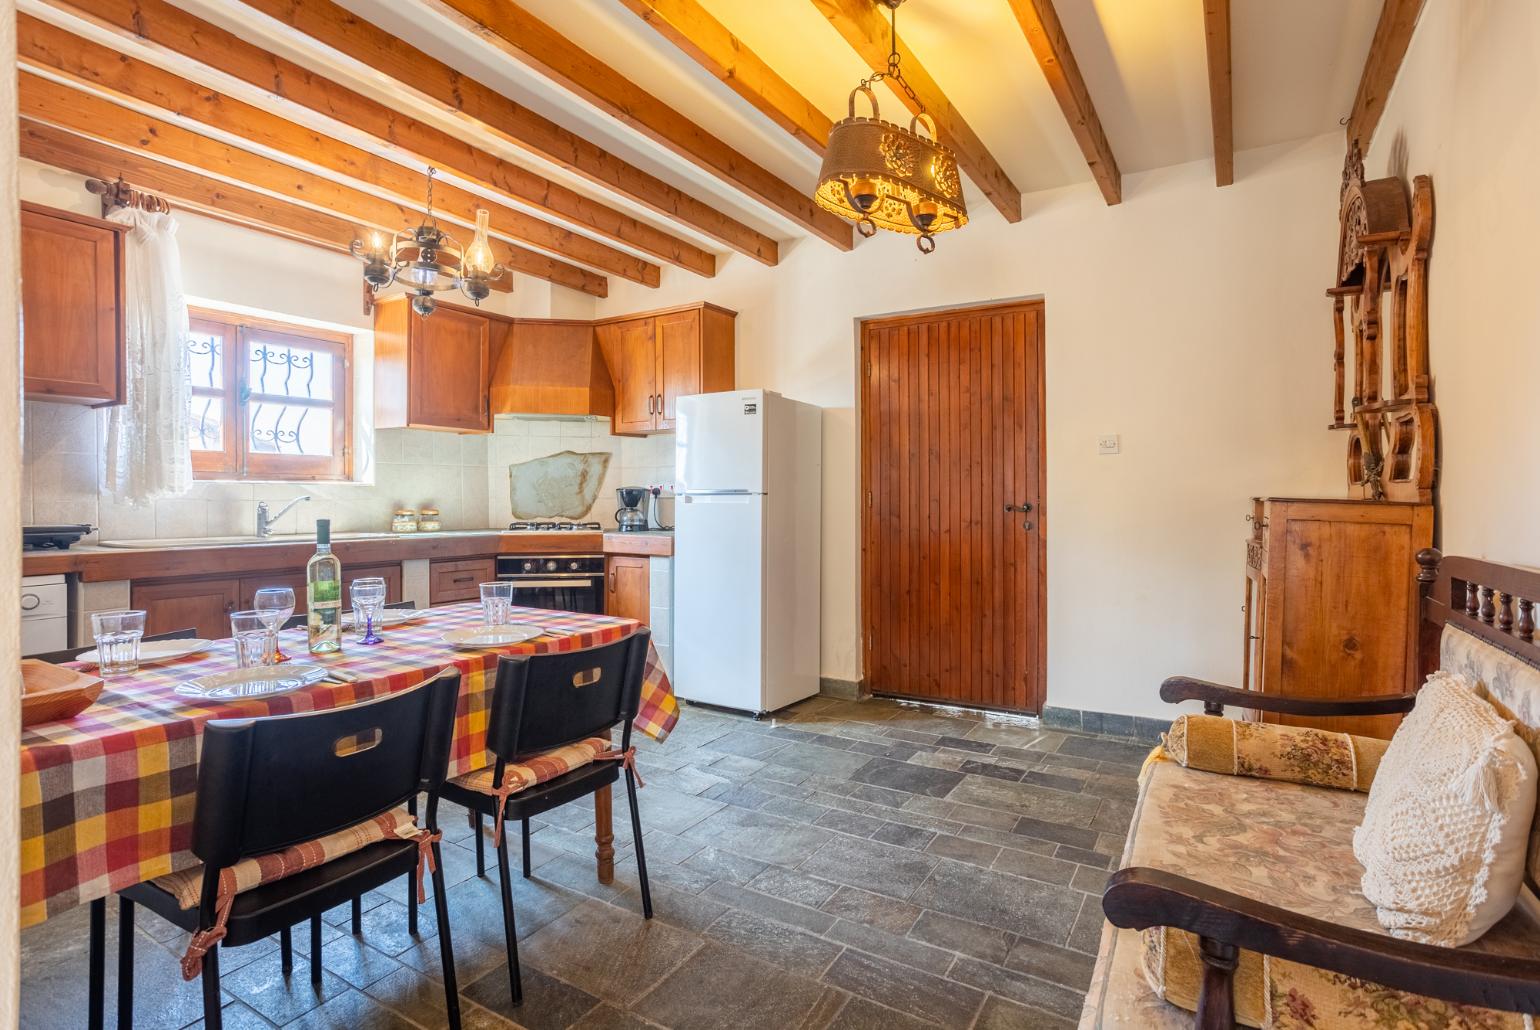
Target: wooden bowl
x: 50, y: 692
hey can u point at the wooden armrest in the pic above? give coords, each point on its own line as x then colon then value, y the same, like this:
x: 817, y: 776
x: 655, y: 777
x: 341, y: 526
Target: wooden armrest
x: 1138, y: 898
x: 1215, y: 696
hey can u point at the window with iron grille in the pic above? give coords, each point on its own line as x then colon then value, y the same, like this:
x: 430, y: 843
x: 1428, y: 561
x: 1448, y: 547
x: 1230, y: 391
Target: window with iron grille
x: 270, y: 401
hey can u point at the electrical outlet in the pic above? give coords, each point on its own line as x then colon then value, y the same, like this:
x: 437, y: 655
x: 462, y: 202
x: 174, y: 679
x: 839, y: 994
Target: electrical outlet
x: 1108, y: 443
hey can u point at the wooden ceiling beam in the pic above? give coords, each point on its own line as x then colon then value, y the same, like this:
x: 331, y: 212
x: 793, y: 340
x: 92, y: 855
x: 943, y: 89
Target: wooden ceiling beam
x: 342, y: 36
x: 59, y: 148
x: 1392, y: 35
x: 706, y: 41
x: 524, y: 38
x: 862, y: 24
x: 1216, y: 34
x: 1045, y: 35
x: 41, y: 45
x: 84, y: 114
x: 195, y: 47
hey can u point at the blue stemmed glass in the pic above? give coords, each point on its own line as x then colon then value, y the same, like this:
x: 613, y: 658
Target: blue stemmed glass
x: 369, y: 598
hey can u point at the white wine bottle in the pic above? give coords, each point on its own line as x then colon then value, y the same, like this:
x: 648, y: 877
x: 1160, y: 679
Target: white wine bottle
x: 323, y: 593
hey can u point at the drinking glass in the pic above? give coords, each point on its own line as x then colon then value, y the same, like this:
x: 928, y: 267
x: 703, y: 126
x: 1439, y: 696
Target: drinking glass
x: 117, y: 641
x: 277, y: 605
x: 368, y: 598
x: 254, y: 641
x: 496, y: 603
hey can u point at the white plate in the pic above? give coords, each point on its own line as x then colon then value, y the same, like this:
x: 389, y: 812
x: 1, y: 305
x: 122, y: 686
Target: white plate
x: 387, y: 617
x: 482, y: 637
x: 153, y: 652
x: 244, y: 684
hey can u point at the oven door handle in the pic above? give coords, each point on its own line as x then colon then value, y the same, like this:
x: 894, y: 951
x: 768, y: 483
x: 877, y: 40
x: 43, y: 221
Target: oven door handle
x: 536, y: 584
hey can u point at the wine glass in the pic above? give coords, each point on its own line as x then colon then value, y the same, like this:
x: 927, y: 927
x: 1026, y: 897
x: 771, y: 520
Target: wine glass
x: 276, y: 605
x: 368, y: 597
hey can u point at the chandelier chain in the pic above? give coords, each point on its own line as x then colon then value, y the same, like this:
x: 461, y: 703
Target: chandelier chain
x: 894, y: 73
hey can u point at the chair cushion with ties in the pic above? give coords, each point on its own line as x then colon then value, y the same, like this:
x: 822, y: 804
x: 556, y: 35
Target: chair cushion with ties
x: 536, y: 769
x: 185, y: 885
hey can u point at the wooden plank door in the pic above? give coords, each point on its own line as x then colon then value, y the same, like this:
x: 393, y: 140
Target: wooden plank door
x: 952, y: 434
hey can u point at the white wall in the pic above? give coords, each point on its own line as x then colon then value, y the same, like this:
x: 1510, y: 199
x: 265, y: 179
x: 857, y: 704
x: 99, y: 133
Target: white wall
x: 1466, y: 110
x: 1189, y: 319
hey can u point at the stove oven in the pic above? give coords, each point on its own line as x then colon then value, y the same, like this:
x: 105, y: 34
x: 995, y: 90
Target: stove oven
x: 561, y: 582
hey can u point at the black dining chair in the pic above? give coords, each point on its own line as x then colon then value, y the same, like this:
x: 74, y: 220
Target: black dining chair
x: 540, y: 703
x: 70, y: 654
x: 272, y: 783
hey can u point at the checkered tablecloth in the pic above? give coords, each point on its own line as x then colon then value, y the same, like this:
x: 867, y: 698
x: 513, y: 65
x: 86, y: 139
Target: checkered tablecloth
x: 107, y: 797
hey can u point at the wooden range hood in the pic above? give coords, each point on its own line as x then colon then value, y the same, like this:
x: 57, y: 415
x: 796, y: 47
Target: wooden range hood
x: 544, y: 366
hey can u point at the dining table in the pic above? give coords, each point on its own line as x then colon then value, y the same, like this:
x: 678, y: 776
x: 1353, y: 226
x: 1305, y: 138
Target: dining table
x: 107, y: 797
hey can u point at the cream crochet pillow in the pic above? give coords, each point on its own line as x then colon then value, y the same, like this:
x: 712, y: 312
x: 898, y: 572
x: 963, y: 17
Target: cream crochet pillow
x: 1447, y: 821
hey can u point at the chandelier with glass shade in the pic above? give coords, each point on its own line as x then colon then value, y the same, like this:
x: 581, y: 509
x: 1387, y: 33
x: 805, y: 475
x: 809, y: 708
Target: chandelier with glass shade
x: 884, y: 176
x: 426, y: 260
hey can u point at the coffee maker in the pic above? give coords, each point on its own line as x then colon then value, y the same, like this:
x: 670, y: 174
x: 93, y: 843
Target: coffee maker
x: 632, y: 515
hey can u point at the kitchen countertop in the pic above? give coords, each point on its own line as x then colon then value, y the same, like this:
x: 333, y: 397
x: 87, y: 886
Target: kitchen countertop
x: 95, y: 563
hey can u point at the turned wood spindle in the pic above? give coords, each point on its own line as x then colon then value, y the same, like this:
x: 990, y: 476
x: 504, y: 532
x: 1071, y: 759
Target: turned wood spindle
x: 1505, y: 612
x: 1471, y: 606
x: 1526, y: 619
x: 1216, y: 994
x: 1488, y: 612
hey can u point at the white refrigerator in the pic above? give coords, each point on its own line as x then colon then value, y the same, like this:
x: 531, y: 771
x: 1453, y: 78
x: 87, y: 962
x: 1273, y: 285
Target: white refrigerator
x: 747, y: 478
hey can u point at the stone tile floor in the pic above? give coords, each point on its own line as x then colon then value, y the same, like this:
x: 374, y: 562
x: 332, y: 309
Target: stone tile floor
x: 845, y: 865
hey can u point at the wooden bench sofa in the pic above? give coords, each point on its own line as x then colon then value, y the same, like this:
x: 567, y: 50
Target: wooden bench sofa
x: 1258, y: 886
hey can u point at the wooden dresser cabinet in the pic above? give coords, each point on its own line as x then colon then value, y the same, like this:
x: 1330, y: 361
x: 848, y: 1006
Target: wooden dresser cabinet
x: 1332, y: 605
x: 72, y: 306
x: 656, y: 358
x: 434, y: 372
x: 628, y: 591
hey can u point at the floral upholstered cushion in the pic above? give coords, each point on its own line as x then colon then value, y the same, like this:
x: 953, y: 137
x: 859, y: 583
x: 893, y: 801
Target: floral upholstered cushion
x: 1294, y: 753
x: 1285, y: 844
x: 1508, y: 685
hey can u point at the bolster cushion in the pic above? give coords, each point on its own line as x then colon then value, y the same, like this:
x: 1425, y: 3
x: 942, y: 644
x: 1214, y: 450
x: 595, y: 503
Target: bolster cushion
x: 1269, y: 751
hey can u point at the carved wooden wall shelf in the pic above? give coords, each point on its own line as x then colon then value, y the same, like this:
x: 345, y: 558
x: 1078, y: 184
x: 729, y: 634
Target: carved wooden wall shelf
x: 1380, y: 304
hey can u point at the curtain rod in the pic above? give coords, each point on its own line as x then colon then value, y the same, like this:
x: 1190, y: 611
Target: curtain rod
x: 121, y: 194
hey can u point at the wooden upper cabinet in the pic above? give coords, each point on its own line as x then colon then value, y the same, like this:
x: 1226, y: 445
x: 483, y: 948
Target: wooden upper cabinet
x: 635, y: 375
x: 433, y: 372
x: 72, y: 306
x: 659, y: 357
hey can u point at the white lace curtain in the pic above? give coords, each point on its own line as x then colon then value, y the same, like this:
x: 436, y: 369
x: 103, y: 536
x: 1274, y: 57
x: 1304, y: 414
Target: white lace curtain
x: 146, y: 456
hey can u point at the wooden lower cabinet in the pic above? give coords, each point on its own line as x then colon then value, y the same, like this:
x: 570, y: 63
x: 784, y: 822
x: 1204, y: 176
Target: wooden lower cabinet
x: 1332, y: 605
x: 628, y: 590
x: 205, y: 604
x: 198, y: 604
x: 391, y: 574
x: 451, y: 581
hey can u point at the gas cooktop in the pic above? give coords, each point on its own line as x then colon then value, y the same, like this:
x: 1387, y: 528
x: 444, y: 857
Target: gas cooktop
x: 554, y: 527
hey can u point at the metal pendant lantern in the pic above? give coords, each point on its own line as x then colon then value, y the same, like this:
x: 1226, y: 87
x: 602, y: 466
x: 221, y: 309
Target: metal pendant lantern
x: 884, y: 176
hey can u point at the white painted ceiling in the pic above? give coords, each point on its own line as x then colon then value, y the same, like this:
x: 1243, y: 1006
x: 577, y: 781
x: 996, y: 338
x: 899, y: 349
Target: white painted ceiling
x: 1296, y: 66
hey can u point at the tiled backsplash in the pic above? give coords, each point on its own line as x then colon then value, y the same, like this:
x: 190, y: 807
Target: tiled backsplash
x: 465, y: 477
x: 638, y: 461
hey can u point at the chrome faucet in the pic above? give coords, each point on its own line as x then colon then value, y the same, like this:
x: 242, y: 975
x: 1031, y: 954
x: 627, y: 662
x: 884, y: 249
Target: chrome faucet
x: 265, y: 521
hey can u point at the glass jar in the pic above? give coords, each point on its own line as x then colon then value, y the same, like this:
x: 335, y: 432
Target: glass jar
x: 404, y: 521
x: 428, y: 521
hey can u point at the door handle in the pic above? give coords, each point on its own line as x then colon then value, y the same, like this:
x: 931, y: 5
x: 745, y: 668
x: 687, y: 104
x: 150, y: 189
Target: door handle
x: 650, y: 398
x: 1019, y: 507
